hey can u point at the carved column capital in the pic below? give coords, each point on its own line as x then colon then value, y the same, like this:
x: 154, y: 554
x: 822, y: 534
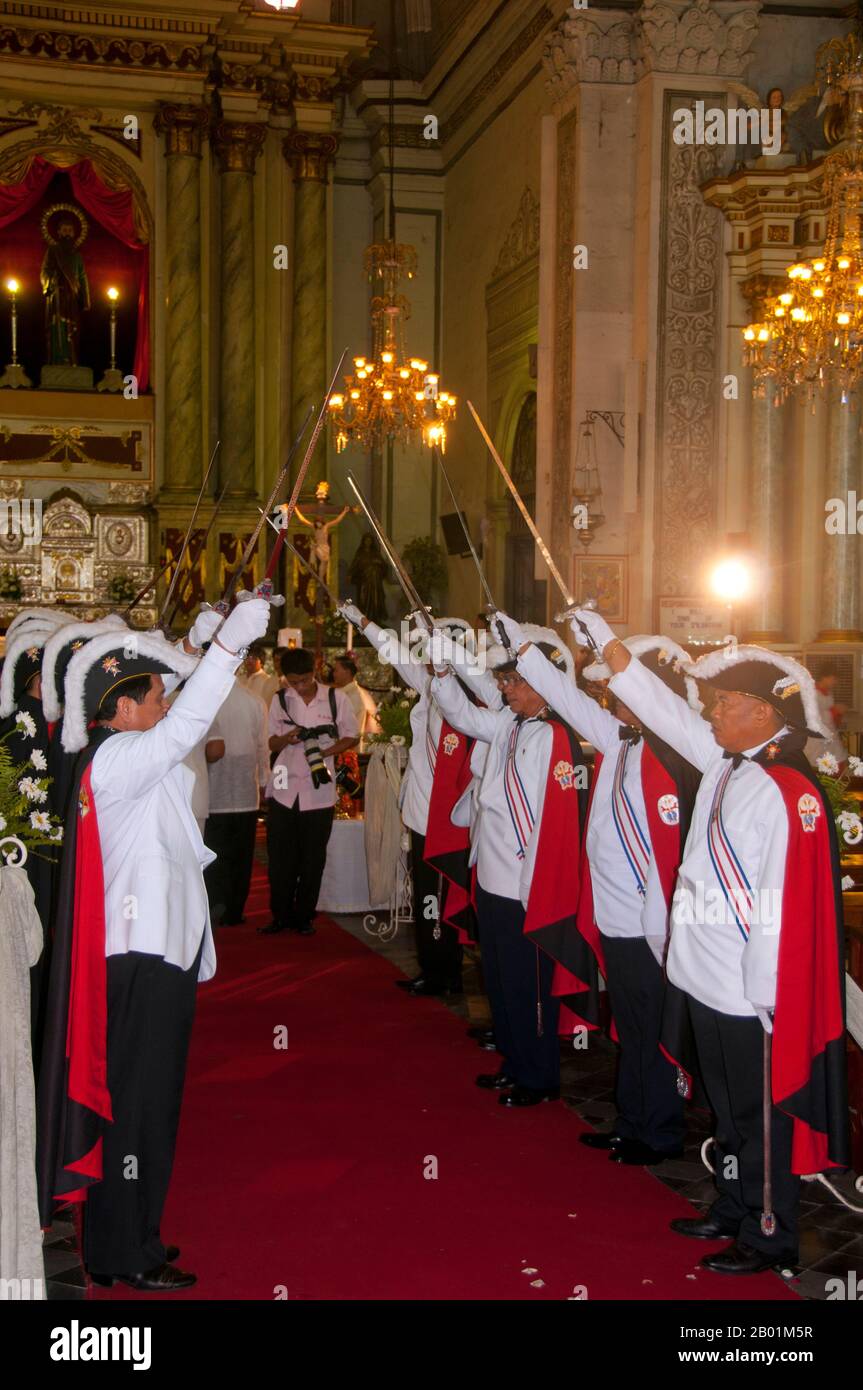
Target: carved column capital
x: 183, y: 127
x: 310, y: 154
x: 713, y: 37
x: 238, y: 144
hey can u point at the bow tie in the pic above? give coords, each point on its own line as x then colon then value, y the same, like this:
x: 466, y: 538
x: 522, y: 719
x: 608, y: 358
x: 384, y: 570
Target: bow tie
x: 736, y: 759
x: 628, y: 734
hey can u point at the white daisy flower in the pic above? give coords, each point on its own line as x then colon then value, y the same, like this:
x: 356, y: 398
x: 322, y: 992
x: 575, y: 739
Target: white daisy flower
x: 852, y: 827
x: 58, y: 833
x: 855, y: 766
x: 828, y: 765
x: 27, y: 787
x: 397, y: 740
x: 40, y: 820
x: 27, y: 722
x: 39, y: 761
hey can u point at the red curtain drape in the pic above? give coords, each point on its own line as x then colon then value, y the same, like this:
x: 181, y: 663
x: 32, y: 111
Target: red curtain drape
x: 112, y: 208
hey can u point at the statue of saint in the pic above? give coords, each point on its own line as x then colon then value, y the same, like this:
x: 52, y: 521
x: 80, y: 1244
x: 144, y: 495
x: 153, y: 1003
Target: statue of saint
x: 366, y: 574
x: 64, y: 282
x: 321, y: 527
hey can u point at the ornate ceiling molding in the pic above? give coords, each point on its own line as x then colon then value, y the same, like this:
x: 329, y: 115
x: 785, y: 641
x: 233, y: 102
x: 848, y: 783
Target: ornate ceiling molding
x: 705, y: 37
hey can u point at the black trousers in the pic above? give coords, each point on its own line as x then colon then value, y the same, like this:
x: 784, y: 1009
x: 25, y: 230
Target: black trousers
x: 231, y: 836
x: 151, y: 1006
x: 437, y: 944
x: 730, y: 1055
x: 648, y: 1104
x: 515, y: 972
x: 296, y: 854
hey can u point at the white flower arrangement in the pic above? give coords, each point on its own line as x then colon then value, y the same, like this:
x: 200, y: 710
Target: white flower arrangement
x: 855, y: 766
x: 828, y: 765
x: 38, y: 759
x: 27, y: 723
x: 40, y: 820
x: 398, y: 740
x: 851, y: 826
x: 32, y: 790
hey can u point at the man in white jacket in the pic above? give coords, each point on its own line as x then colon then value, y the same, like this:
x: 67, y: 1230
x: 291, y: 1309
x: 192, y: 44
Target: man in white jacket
x: 132, y: 892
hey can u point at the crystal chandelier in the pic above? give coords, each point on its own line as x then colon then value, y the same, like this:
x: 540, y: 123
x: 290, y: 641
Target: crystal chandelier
x: 810, y: 338
x: 587, y: 513
x: 390, y: 396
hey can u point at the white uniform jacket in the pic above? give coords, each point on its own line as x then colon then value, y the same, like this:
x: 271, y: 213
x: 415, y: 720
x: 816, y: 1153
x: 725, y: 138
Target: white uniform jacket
x: 426, y: 725
x: 726, y: 915
x: 152, y: 851
x: 512, y: 791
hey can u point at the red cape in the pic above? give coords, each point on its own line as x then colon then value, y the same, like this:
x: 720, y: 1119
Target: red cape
x: 553, y: 902
x: 809, y: 1022
x: 447, y: 846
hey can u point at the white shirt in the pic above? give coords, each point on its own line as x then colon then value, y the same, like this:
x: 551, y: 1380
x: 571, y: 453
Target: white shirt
x: 262, y: 684
x: 235, y: 778
x: 153, y: 855
x: 726, y: 915
x: 292, y: 757
x: 512, y: 791
x: 426, y: 724
x: 620, y: 910
x: 363, y: 706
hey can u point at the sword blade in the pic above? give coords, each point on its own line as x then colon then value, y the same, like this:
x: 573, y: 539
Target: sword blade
x: 198, y: 553
x: 482, y: 579
x: 404, y: 579
x: 529, y: 522
x: 225, y: 601
x: 188, y: 536
x: 304, y: 466
x: 303, y: 561
x: 151, y: 584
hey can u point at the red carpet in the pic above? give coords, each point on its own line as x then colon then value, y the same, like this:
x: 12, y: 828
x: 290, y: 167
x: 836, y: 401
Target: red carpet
x: 300, y: 1172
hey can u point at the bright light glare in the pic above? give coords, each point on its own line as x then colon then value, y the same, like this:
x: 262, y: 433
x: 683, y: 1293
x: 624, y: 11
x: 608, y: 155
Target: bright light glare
x: 731, y: 580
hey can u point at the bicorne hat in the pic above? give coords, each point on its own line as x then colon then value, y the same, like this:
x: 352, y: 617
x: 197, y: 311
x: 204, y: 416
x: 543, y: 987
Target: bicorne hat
x: 108, y: 661
x: 778, y: 680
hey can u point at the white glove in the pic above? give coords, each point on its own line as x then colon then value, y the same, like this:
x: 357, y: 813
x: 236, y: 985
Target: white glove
x: 596, y: 625
x: 352, y: 614
x: 245, y: 624
x: 205, y: 626
x: 515, y: 638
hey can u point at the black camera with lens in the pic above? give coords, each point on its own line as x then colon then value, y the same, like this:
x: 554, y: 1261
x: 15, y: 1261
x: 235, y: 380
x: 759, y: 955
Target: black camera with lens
x: 318, y: 769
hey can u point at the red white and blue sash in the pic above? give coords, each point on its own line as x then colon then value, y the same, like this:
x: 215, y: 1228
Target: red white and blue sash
x: 632, y: 836
x: 726, y: 865
x: 431, y: 746
x: 520, y: 810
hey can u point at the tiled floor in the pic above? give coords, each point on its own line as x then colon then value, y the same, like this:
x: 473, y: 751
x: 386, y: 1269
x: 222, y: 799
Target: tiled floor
x: 831, y: 1236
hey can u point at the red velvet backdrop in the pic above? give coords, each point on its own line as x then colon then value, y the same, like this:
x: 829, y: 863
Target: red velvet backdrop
x: 113, y: 255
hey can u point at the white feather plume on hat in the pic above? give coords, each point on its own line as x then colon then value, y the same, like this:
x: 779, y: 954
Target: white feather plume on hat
x: 45, y: 617
x: 727, y: 657
x: 652, y: 642
x: 150, y: 645
x: 534, y: 633
x: 52, y: 704
x: 28, y: 635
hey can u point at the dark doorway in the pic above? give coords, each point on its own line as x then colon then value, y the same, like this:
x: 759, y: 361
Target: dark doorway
x: 525, y: 596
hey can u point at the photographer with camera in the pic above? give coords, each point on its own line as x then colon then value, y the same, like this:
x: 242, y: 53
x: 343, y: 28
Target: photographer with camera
x: 309, y: 726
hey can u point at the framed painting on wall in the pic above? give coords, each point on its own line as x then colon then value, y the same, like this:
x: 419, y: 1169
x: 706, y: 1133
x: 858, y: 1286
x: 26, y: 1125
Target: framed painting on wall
x: 602, y: 577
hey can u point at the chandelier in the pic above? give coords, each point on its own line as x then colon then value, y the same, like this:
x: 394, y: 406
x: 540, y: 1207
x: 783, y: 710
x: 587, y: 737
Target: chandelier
x: 390, y: 396
x: 810, y: 338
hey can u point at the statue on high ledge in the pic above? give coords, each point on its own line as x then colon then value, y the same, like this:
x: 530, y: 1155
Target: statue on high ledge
x: 64, y: 282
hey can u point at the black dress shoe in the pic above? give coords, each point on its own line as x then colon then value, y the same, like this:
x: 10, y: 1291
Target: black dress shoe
x: 408, y: 984
x: 163, y: 1279
x: 495, y: 1081
x: 488, y: 1046
x: 431, y: 988
x: 304, y: 929
x: 232, y: 922
x: 633, y: 1152
x: 739, y: 1258
x: 271, y: 930
x: 528, y: 1095
x: 701, y: 1227
x: 481, y: 1033
x: 172, y: 1253
x: 599, y: 1141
